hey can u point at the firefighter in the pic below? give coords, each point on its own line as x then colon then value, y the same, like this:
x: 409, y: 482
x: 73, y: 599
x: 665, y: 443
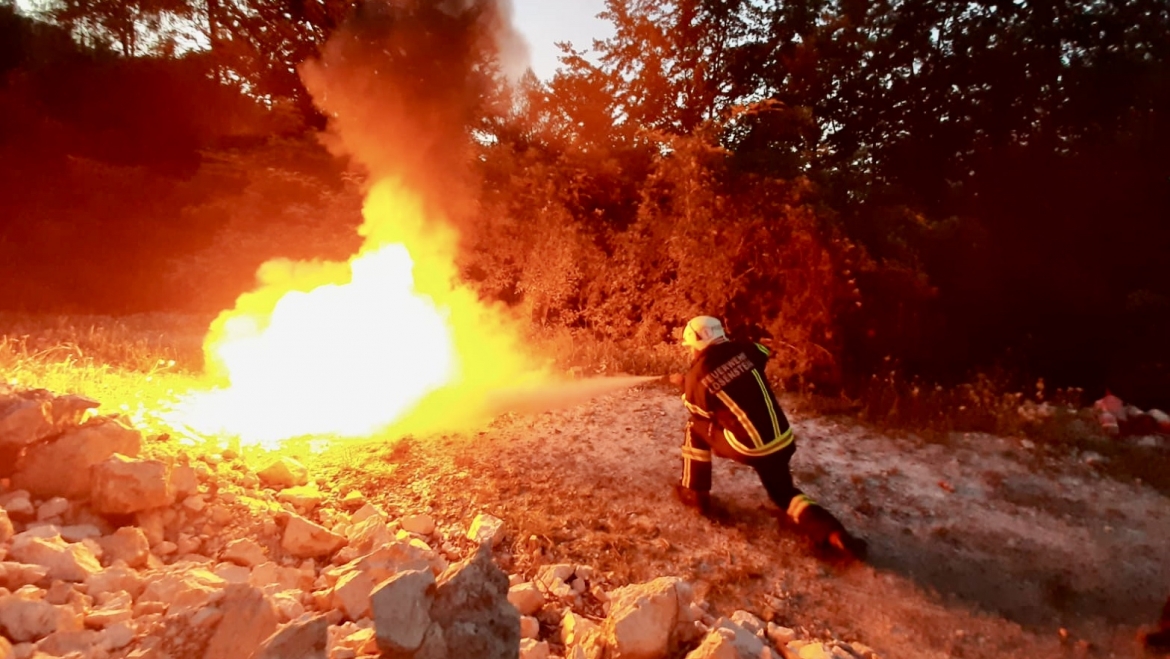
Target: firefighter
x: 735, y: 415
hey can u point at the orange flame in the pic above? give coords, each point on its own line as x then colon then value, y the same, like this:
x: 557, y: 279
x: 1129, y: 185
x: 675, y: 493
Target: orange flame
x: 388, y: 342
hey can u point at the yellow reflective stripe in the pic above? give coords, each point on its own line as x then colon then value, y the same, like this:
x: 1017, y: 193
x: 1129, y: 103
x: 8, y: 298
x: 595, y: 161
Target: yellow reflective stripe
x: 768, y: 400
x: 694, y: 409
x: 743, y: 419
x: 764, y: 349
x: 686, y: 479
x: 798, y: 505
x: 701, y: 455
x: 781, y: 442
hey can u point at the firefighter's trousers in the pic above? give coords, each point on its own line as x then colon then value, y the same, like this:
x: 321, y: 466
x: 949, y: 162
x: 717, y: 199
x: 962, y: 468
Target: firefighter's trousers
x: 705, y: 437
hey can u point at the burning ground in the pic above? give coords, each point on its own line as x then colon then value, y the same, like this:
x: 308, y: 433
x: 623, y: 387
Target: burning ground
x: 982, y: 546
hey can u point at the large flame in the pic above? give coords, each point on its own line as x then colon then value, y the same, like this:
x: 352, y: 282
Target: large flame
x: 388, y: 340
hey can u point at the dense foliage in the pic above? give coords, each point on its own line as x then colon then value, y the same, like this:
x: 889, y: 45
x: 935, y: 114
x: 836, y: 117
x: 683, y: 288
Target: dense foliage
x: 928, y: 187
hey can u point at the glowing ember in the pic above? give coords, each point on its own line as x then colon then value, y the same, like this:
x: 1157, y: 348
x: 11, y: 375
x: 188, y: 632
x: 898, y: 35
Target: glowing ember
x: 350, y: 349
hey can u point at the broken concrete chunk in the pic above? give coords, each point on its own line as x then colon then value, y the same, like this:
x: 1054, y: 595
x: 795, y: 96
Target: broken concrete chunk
x: 486, y: 529
x: 351, y: 595
x: 248, y: 619
x: 304, y: 539
x: 244, y: 551
x: 61, y: 467
x: 123, y: 485
x: 471, y: 605
x: 64, y: 561
x: 531, y: 649
x: 526, y: 597
x: 642, y: 618
x: 420, y: 524
x: 128, y: 544
x: 283, y: 472
x: 26, y: 620
x: 401, y: 608
x: 297, y: 640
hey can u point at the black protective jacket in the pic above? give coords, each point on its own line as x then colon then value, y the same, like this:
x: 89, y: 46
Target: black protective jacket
x: 726, y: 384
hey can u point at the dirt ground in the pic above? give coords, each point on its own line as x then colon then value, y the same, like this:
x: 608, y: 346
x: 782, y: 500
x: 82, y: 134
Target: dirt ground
x: 980, y: 547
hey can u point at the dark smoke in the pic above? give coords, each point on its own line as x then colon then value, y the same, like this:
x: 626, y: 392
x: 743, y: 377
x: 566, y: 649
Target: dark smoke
x: 404, y: 82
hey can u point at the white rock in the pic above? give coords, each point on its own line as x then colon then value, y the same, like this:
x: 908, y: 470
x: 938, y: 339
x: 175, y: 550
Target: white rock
x: 248, y: 619
x: 244, y: 551
x: 420, y: 524
x: 642, y: 618
x: 365, y: 512
x: 18, y: 504
x: 123, y: 485
x: 304, y: 539
x: 529, y: 627
x: 14, y: 576
x: 54, y: 507
x: 401, y: 608
x: 780, y: 636
x: 62, y: 466
x: 526, y: 597
x: 306, y: 639
x: 183, y: 590
x: 284, y: 578
x: 117, y: 578
x: 24, y: 620
x: 6, y: 528
x: 128, y: 544
x: 814, y: 651
x: 284, y: 472
x: 369, y: 534
x: 486, y: 529
x: 184, y: 482
x: 80, y: 533
x: 748, y: 621
x: 531, y: 649
x: 64, y: 561
x: 118, y: 636
x: 576, y: 629
x: 25, y: 418
x: 351, y: 595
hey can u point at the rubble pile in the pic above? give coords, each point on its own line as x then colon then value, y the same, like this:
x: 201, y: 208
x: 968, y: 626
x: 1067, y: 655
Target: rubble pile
x: 111, y: 546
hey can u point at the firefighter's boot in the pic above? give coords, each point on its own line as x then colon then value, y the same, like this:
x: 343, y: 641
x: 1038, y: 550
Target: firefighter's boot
x: 699, y: 500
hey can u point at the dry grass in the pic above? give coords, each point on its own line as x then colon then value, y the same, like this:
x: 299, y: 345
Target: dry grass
x: 131, y: 364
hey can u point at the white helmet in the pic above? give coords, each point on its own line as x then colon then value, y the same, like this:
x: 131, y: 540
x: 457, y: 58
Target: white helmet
x: 702, y: 331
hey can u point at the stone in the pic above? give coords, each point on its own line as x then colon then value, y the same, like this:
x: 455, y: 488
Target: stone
x: 748, y: 621
x: 6, y: 651
x: 401, y: 610
x: 284, y: 578
x: 64, y: 643
x: 123, y: 485
x: 531, y: 649
x: 297, y: 640
x: 18, y: 504
x: 471, y: 605
x: 365, y: 512
x: 15, y: 575
x: 780, y: 636
x: 304, y: 498
x: 128, y: 544
x: 26, y: 418
x: 529, y: 627
x: 64, y: 561
x: 815, y: 651
x: 304, y: 539
x: 369, y: 534
x: 249, y: 619
x: 61, y: 467
x: 420, y: 524
x: 26, y: 620
x: 6, y: 528
x: 718, y: 644
x: 184, y: 482
x: 119, y: 636
x: 351, y: 595
x: 81, y: 533
x: 232, y: 573
x: 54, y: 507
x: 116, y: 578
x: 486, y: 529
x: 244, y: 551
x: 183, y: 589
x: 527, y: 598
x: 642, y: 618
x: 283, y: 472
x: 576, y: 629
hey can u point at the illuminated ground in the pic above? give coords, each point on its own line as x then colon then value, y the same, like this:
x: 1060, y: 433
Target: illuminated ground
x: 982, y: 547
